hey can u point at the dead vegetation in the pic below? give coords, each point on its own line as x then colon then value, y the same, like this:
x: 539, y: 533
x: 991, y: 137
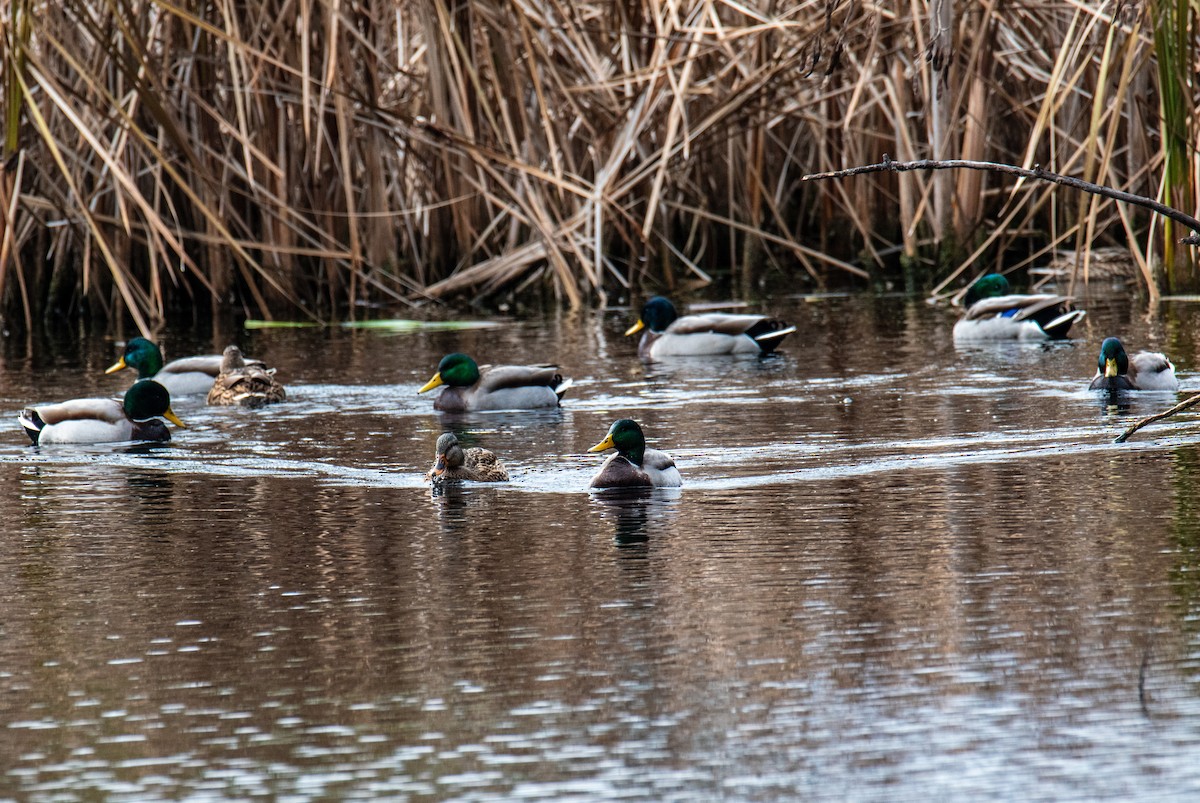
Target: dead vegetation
x: 298, y: 156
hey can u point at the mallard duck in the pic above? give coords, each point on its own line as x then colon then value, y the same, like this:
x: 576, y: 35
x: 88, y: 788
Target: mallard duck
x: 134, y: 418
x: 634, y: 465
x: 994, y: 312
x: 470, y: 387
x: 183, y: 377
x: 1146, y: 370
x: 705, y: 334
x: 244, y: 384
x: 453, y: 462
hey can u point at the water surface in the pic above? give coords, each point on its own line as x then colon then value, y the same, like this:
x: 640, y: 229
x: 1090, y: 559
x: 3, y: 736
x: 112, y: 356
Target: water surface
x: 897, y: 569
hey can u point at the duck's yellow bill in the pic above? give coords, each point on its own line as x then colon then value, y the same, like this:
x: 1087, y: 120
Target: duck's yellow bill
x: 637, y: 327
x: 432, y: 383
x: 174, y: 419
x: 1110, y: 368
x: 117, y: 367
x: 607, y: 443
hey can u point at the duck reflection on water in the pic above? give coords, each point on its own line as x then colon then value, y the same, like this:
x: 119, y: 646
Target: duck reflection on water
x: 637, y: 513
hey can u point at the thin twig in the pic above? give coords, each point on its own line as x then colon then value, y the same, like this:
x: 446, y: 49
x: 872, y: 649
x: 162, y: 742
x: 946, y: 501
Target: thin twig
x: 1036, y: 173
x: 1150, y: 419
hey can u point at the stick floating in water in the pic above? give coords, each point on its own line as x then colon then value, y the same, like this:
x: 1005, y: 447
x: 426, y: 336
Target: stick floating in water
x: 1150, y: 419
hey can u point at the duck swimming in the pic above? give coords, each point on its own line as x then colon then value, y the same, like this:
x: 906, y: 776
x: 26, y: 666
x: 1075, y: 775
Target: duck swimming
x: 1145, y: 370
x: 994, y: 312
x: 186, y: 376
x: 133, y: 418
x: 704, y: 334
x: 244, y: 384
x: 470, y: 387
x: 453, y: 462
x: 634, y: 465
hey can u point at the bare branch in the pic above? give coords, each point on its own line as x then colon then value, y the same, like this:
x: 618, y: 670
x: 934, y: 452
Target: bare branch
x: 1036, y: 173
x: 1150, y: 419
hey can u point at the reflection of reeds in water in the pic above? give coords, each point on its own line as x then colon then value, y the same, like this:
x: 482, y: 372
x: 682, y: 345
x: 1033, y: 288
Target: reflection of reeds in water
x: 386, y: 151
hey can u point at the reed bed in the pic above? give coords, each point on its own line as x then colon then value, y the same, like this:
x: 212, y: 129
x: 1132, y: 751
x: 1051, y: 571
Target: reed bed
x: 304, y: 157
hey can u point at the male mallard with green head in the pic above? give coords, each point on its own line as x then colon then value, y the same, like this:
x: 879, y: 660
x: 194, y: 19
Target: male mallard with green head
x: 133, y: 418
x: 453, y: 462
x: 705, y: 334
x: 634, y: 465
x: 1145, y: 370
x: 186, y: 376
x: 469, y: 387
x: 994, y: 312
x: 183, y: 377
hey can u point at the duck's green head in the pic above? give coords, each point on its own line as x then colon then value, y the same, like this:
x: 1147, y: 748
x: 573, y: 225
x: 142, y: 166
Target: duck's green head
x: 456, y: 370
x: 626, y: 437
x: 993, y: 285
x: 657, y: 314
x: 1113, y: 360
x: 142, y: 355
x: 147, y: 399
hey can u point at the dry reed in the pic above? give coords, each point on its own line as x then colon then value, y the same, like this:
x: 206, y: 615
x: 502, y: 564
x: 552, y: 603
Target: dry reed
x: 301, y: 156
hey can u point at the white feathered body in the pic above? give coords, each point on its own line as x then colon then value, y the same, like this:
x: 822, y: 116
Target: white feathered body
x: 708, y: 334
x: 88, y: 421
x: 1016, y: 317
x: 506, y: 387
x: 189, y: 376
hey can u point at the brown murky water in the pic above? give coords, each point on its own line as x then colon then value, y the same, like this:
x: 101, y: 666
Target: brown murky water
x: 896, y: 570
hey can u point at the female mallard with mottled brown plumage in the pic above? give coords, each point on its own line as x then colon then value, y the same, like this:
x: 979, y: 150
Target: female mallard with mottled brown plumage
x: 705, y: 334
x: 470, y: 387
x: 244, y: 384
x: 453, y: 462
x: 634, y: 465
x: 133, y: 418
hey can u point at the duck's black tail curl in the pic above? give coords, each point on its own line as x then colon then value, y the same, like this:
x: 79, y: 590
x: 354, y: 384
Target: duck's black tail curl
x: 1056, y: 322
x: 32, y: 423
x: 769, y: 334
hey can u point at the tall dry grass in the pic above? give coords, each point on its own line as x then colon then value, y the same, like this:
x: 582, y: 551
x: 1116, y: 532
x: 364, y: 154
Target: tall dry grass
x: 297, y: 157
